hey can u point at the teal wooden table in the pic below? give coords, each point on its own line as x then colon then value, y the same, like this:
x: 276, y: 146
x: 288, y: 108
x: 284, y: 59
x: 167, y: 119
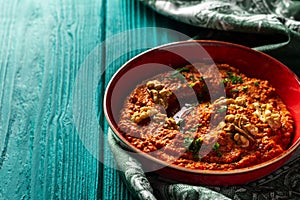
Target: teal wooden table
x: 43, y: 45
x: 51, y: 141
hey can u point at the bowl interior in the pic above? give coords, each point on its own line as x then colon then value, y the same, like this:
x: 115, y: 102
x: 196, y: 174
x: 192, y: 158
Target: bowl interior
x: 248, y: 61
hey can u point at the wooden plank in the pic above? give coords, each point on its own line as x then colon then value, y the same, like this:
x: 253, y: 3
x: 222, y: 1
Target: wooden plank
x: 121, y: 17
x: 123, y: 40
x: 42, y: 47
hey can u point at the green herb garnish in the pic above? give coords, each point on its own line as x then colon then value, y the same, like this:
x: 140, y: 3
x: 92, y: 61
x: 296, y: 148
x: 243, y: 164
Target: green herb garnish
x: 192, y: 78
x: 256, y: 83
x: 235, y: 79
x: 216, y: 146
x: 195, y: 146
x: 199, y: 140
x: 188, y: 142
x: 192, y: 84
x: 225, y: 80
x: 245, y: 88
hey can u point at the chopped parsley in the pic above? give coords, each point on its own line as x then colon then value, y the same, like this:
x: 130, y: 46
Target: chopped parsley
x: 199, y: 140
x: 225, y: 80
x: 188, y: 142
x: 245, y: 88
x: 235, y: 79
x: 192, y: 84
x: 193, y: 145
x: 256, y: 83
x: 192, y: 78
x: 216, y: 148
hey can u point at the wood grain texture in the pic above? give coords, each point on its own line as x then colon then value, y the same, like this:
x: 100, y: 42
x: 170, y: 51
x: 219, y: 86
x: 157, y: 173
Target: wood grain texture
x: 50, y: 146
x: 46, y: 152
x: 42, y: 47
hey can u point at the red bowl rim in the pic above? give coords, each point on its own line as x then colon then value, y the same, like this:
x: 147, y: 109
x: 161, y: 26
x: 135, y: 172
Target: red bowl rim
x: 285, y: 155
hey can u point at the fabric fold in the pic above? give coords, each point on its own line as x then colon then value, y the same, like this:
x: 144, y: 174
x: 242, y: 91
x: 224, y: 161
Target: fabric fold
x: 281, y: 184
x: 276, y: 19
x: 254, y: 16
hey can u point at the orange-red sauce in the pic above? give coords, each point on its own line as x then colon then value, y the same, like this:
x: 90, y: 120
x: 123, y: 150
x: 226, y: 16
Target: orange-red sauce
x: 198, y: 119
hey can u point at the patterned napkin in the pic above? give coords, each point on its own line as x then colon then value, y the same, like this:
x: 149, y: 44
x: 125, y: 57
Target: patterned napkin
x: 282, y: 184
x: 275, y: 22
x: 279, y: 20
x: 248, y: 16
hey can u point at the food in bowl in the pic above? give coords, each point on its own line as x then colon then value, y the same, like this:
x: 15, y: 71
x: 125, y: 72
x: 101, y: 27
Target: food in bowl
x: 181, y: 117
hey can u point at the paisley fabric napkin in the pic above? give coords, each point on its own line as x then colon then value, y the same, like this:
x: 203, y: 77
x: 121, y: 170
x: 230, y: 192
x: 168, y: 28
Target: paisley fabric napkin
x: 276, y: 20
x: 251, y: 16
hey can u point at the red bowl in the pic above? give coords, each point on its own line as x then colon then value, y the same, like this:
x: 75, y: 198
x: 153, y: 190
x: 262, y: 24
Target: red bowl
x: 248, y: 61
